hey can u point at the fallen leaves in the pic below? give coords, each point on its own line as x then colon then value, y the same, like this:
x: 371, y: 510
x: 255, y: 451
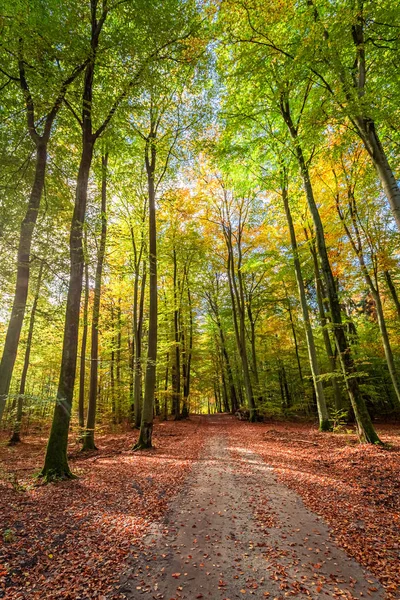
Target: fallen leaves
x: 356, y: 488
x: 70, y: 540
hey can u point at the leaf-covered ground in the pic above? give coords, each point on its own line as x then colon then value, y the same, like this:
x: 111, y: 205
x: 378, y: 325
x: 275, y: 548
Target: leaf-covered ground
x: 69, y: 540
x: 356, y: 488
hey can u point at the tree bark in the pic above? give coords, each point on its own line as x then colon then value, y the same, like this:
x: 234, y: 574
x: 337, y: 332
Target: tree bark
x: 187, y: 357
x: 177, y: 367
x: 146, y: 426
x: 22, y: 281
x: 88, y: 440
x: 56, y: 462
x: 356, y: 242
x: 323, y: 415
x: 296, y: 345
x: 393, y: 291
x: 82, y: 371
x: 325, y: 333
x: 366, y: 430
x: 29, y: 222
x: 16, y: 434
x: 138, y: 344
x: 238, y: 308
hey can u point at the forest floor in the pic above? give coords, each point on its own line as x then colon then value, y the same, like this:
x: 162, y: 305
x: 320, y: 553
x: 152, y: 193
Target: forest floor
x: 220, y: 509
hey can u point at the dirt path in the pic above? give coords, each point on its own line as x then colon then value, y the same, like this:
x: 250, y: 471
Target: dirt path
x: 212, y: 544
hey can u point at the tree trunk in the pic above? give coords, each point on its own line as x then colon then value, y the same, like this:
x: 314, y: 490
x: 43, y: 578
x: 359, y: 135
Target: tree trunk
x: 166, y: 388
x: 16, y: 438
x: 393, y: 291
x: 177, y: 369
x: 29, y: 222
x: 232, y: 389
x: 296, y: 345
x: 323, y: 415
x: 112, y: 373
x: 358, y: 249
x: 138, y: 358
x: 239, y: 326
x: 146, y: 426
x: 82, y: 371
x: 366, y: 431
x: 22, y: 282
x: 325, y: 333
x: 187, y: 361
x: 56, y: 462
x: 88, y: 440
x: 367, y: 132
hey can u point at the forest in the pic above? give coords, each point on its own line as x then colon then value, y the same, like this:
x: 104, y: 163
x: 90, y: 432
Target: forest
x: 199, y: 257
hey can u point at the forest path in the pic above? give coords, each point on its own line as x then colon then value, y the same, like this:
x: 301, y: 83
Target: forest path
x: 236, y: 531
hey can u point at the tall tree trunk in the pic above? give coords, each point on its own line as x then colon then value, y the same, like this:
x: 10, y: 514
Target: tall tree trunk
x: 393, y: 291
x: 323, y: 415
x: 29, y: 221
x: 356, y: 242
x: 146, y: 426
x: 118, y: 363
x: 56, y: 462
x: 138, y: 343
x: 239, y: 326
x: 366, y: 430
x: 165, y: 416
x: 296, y: 345
x: 325, y: 333
x: 187, y: 359
x: 16, y: 437
x: 131, y: 354
x: 367, y: 132
x: 232, y: 389
x: 82, y: 371
x: 22, y: 281
x: 112, y: 373
x: 88, y: 440
x: 253, y: 351
x: 177, y: 368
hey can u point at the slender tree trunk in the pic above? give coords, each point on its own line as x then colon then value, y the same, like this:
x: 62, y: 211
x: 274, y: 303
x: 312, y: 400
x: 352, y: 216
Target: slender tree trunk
x: 323, y: 415
x: 240, y: 332
x: 29, y: 222
x: 56, y: 462
x: 325, y: 333
x: 223, y: 379
x: 131, y: 351
x: 15, y: 438
x: 358, y: 249
x: 187, y: 361
x: 146, y: 426
x: 367, y: 132
x: 82, y: 371
x: 296, y: 345
x: 286, y: 388
x: 88, y: 440
x: 177, y: 369
x: 232, y: 389
x: 118, y: 412
x: 138, y: 344
x: 366, y: 430
x: 22, y: 281
x: 253, y: 351
x: 393, y: 291
x: 112, y: 373
x: 166, y: 388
